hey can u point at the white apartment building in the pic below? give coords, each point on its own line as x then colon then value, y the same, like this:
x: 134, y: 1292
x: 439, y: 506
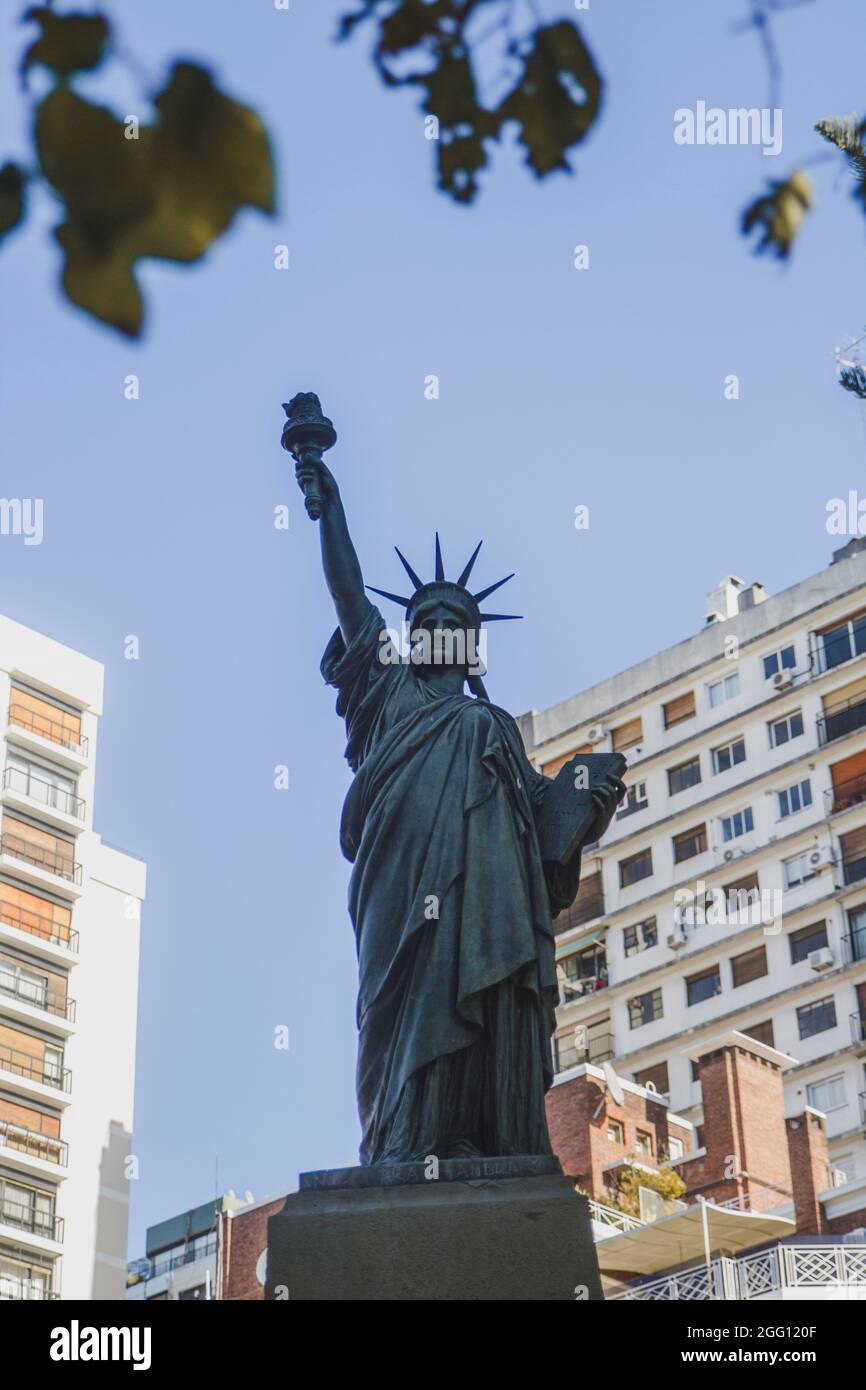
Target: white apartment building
x: 69, y: 941
x: 746, y: 746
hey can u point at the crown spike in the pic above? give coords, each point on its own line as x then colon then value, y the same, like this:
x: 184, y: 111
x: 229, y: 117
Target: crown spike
x: 469, y: 563
x: 440, y: 568
x: 408, y: 568
x: 491, y: 588
x: 395, y: 598
x: 499, y: 617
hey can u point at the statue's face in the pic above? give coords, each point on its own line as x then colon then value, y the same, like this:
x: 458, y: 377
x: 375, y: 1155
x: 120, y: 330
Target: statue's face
x: 440, y: 637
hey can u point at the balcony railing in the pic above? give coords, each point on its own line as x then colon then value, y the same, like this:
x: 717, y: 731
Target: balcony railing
x: 611, y: 1216
x: 147, y: 1268
x: 40, y: 997
x: 854, y: 945
x: 851, y: 792
x: 862, y: 1100
x: 756, y: 1276
x: 36, y: 924
x: 34, y: 1068
x: 46, y: 793
x: 35, y: 1145
x: 598, y: 1048
x: 26, y: 1218
x: 24, y: 1290
x: 843, y: 719
x: 52, y: 729
x: 40, y: 855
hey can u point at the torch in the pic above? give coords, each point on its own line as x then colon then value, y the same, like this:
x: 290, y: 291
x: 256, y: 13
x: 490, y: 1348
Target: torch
x: 308, y: 431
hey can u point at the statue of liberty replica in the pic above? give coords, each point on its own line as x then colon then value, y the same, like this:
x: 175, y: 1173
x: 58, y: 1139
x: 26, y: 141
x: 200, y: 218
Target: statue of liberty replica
x: 462, y: 854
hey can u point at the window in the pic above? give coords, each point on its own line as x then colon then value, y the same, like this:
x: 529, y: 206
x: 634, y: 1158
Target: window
x: 794, y: 799
x: 684, y: 775
x: 690, y: 843
x: 827, y: 1095
x: 41, y: 783
x: 807, y: 939
x: 740, y: 823
x: 678, y: 710
x: 645, y: 1008
x: 742, y: 897
x: 761, y: 1032
x: 699, y: 1136
x: 783, y: 730
x: 582, y: 972
x: 703, y: 986
x: 723, y: 690
x: 727, y: 757
x: 676, y: 1148
x: 640, y: 937
x: 819, y: 1017
x: 857, y: 936
x: 656, y: 1076
x: 751, y: 965
x: 627, y: 735
x: 643, y: 1143
x: 783, y: 660
x: 636, y: 867
x: 635, y: 800
x: 797, y: 870
x: 615, y: 1132
x: 840, y: 643
x: 26, y: 984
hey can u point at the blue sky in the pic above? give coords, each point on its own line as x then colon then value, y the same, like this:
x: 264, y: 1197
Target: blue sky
x: 602, y: 387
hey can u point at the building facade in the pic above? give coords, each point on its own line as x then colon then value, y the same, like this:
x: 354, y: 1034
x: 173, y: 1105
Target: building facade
x: 729, y: 893
x: 69, y: 945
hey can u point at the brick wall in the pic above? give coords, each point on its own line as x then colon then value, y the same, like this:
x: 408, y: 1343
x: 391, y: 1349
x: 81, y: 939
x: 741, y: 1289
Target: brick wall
x: 744, y: 1132
x: 579, y: 1114
x: 810, y: 1170
x: 243, y: 1235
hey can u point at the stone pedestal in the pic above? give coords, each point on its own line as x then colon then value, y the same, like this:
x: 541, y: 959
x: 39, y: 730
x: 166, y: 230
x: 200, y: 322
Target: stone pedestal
x: 490, y: 1229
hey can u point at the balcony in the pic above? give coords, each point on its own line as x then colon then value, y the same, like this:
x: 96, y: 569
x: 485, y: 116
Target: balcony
x: 32, y: 1069
x: 54, y: 798
x: 24, y: 1290
x: 33, y: 1144
x: 24, y: 1217
x: 843, y: 795
x: 51, y: 729
x: 41, y: 997
x: 785, y: 1272
x: 41, y: 856
x: 843, y: 719
x: 37, y: 924
x: 594, y: 1049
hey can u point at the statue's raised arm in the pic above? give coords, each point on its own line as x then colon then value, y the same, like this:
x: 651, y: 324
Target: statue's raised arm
x: 306, y: 434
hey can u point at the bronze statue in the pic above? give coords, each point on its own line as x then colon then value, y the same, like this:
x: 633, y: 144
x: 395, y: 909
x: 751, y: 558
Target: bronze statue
x: 451, y: 900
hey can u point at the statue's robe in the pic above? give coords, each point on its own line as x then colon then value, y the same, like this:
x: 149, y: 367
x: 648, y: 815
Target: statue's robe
x: 452, y: 909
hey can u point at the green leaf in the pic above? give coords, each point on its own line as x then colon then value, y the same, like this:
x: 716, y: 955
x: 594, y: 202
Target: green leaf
x: 168, y: 194
x: 12, y: 185
x: 847, y: 135
x: 68, y: 43
x: 778, y: 214
x: 557, y: 98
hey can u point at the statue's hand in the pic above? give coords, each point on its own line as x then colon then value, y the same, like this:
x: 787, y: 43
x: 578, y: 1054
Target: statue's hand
x: 606, y: 797
x: 307, y: 468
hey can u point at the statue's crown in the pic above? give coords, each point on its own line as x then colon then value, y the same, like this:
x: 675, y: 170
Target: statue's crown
x: 449, y: 590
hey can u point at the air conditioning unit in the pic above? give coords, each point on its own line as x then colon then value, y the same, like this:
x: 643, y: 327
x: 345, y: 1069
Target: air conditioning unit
x: 822, y: 858
x: 676, y: 939
x: 821, y: 959
x: 730, y: 854
x: 782, y: 680
x: 596, y: 733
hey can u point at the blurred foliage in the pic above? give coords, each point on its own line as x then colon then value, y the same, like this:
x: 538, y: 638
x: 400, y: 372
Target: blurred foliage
x: 847, y: 135
x: 130, y: 190
x: 552, y: 86
x: 853, y: 379
x: 778, y: 214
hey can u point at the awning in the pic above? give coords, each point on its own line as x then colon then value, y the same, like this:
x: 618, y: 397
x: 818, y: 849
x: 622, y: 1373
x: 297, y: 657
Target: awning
x: 679, y: 1239
x: 588, y: 939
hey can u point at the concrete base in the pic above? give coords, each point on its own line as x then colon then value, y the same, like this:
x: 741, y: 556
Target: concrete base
x: 519, y: 1239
